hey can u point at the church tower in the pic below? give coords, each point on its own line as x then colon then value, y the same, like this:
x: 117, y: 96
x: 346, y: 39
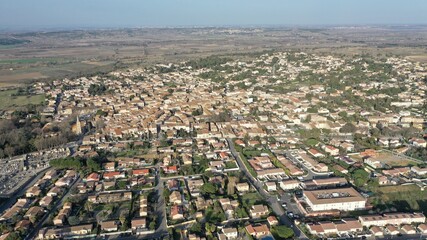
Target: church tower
x: 78, y: 127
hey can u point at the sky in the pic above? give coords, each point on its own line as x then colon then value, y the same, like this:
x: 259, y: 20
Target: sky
x: 37, y: 14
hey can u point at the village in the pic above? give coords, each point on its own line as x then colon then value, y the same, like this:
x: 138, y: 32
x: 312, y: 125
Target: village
x: 284, y: 145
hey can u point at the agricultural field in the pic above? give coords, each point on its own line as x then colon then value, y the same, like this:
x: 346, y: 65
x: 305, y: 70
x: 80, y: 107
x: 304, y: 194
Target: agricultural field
x: 77, y: 53
x: 7, y: 100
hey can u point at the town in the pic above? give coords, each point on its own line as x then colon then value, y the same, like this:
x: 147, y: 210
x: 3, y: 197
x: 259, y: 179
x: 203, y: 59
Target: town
x: 273, y: 145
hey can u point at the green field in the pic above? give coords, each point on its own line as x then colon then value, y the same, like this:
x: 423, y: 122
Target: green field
x: 7, y: 100
x: 403, y: 198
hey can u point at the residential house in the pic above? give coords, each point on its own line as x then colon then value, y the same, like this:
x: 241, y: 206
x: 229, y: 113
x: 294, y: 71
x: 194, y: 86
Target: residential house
x: 109, y: 226
x: 272, y: 221
x: 34, y: 211
x: 289, y: 184
x: 175, y: 197
x: 140, y: 223
x: 258, y: 230
x: 271, y: 186
x: 242, y: 187
x: 258, y: 211
x: 392, y: 219
x: 177, y: 212
x: 230, y: 233
x: 46, y: 201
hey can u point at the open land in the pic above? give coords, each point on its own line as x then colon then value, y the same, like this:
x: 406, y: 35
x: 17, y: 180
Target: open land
x: 50, y: 55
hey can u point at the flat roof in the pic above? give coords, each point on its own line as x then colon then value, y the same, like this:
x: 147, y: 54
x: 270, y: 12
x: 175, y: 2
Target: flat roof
x: 337, y: 195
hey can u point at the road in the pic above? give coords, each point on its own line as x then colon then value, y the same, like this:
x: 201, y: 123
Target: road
x: 60, y: 202
x: 291, y: 206
x: 271, y: 200
x: 161, y: 206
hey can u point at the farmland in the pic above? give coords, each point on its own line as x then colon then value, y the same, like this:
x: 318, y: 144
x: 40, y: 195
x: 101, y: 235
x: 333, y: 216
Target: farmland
x: 52, y: 55
x: 7, y: 100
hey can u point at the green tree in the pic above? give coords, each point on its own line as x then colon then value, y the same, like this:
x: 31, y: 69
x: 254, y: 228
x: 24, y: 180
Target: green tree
x: 14, y: 236
x: 122, y: 218
x: 93, y: 165
x: 73, y: 220
x: 69, y: 162
x: 210, y: 228
x: 348, y: 128
x: 97, y: 89
x: 152, y: 225
x: 121, y: 184
x: 208, y: 188
x: 282, y: 232
x: 4, y: 227
x: 360, y: 177
x: 196, y: 228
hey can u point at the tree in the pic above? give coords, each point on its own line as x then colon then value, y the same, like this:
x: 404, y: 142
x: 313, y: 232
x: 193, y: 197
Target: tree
x: 196, y: 228
x: 274, y: 60
x: 208, y: 188
x: 197, y: 112
x: 166, y: 194
x: 360, y: 177
x: 97, y: 89
x: 122, y: 218
x: 69, y: 162
x: 88, y: 206
x: 73, y: 220
x: 9, y: 150
x: 4, y: 227
x: 348, y: 128
x: 152, y: 225
x: 282, y: 232
x: 14, y: 236
x: 210, y: 228
x: 100, y: 112
x: 121, y: 184
x: 93, y: 165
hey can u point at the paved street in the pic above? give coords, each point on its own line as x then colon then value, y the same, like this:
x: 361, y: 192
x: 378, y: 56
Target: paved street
x: 271, y: 200
x: 161, y: 206
x: 290, y: 205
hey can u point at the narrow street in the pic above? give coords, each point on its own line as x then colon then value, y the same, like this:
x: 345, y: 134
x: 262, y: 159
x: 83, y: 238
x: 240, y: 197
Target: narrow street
x: 161, y: 206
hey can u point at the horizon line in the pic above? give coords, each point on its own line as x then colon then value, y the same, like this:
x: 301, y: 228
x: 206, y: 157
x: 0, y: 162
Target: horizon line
x: 11, y: 29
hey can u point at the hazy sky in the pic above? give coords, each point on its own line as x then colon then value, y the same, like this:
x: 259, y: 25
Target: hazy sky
x: 27, y: 14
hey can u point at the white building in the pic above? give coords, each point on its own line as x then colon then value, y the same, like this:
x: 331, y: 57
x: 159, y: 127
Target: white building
x: 230, y: 233
x: 271, y: 186
x: 344, y: 199
x: 289, y: 184
x: 392, y: 219
x: 419, y: 171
